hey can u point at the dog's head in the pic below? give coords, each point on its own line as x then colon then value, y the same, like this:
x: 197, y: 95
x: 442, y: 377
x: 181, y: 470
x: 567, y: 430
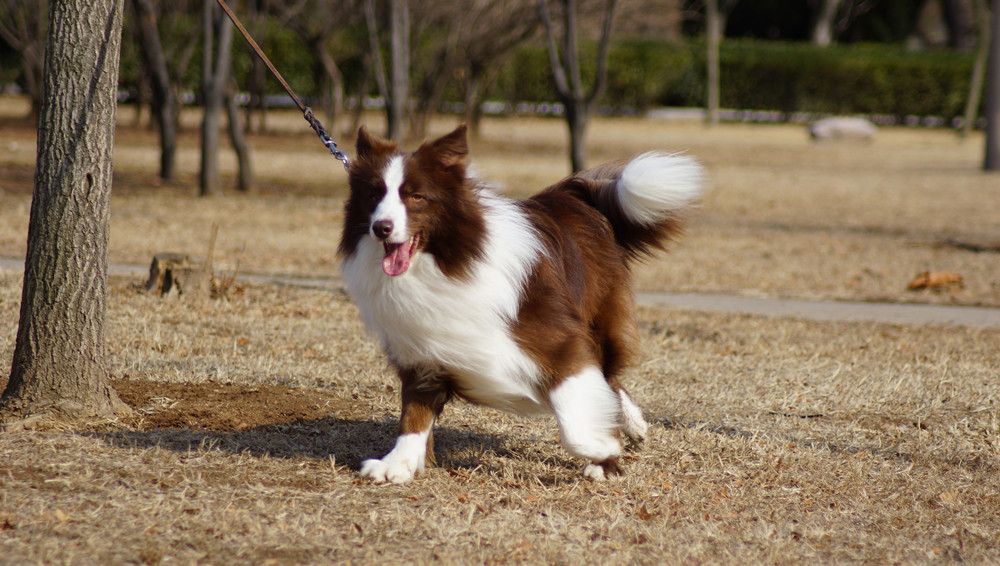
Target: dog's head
x: 413, y: 203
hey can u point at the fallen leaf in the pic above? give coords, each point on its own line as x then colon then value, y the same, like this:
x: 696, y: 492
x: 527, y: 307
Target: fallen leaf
x: 936, y: 281
x: 645, y: 514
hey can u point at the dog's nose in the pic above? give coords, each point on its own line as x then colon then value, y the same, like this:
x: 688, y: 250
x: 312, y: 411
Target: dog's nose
x: 382, y: 228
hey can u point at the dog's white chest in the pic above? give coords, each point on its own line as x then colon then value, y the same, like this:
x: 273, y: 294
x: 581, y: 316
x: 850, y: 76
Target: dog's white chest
x: 425, y: 319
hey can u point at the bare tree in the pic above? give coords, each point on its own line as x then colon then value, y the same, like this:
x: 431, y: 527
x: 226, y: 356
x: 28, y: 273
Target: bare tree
x: 399, y: 69
x: 498, y: 29
x: 822, y: 33
x: 467, y: 39
x: 217, y: 33
x: 566, y: 72
x: 960, y: 17
x: 975, y: 93
x: 237, y: 136
x: 317, y: 22
x: 59, y: 363
x: 22, y: 27
x: 991, y: 160
x: 716, y: 15
x: 159, y: 78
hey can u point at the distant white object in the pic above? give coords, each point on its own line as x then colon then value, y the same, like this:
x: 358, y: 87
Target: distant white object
x: 842, y: 128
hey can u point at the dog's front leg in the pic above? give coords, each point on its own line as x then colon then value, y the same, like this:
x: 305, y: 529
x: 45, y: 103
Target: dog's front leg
x: 424, y: 395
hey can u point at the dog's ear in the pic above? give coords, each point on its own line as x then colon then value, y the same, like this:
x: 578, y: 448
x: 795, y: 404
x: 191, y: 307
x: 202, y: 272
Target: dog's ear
x: 369, y: 145
x: 448, y: 150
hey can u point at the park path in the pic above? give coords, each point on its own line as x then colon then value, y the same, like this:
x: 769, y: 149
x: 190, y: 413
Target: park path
x: 807, y: 309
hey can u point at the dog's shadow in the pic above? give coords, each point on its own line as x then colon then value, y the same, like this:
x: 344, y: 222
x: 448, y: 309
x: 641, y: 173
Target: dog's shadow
x: 347, y: 441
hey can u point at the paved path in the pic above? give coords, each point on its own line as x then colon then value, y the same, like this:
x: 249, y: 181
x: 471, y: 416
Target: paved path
x: 823, y: 310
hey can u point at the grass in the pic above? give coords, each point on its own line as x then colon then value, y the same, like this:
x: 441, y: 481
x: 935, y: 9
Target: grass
x: 778, y: 441
x: 783, y: 216
x: 773, y: 441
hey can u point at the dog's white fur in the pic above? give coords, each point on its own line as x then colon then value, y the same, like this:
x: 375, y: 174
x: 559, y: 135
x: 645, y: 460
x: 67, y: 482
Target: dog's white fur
x: 427, y: 320
x: 391, y: 206
x: 654, y: 184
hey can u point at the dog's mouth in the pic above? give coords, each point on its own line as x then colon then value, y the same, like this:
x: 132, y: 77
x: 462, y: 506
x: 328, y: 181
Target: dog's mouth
x: 398, y: 256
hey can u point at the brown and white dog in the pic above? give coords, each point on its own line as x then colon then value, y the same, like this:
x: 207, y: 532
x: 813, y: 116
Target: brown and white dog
x: 524, y: 306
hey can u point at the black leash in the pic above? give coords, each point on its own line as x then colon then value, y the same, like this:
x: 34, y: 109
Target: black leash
x: 307, y: 112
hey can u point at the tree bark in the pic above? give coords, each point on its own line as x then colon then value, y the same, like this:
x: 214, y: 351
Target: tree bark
x: 59, y: 364
x: 991, y: 160
x: 399, y: 70
x: 714, y: 33
x: 822, y: 34
x: 164, y: 105
x: 237, y: 136
x: 214, y: 78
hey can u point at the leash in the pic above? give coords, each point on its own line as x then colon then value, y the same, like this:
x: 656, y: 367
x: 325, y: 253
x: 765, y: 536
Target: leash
x: 307, y: 112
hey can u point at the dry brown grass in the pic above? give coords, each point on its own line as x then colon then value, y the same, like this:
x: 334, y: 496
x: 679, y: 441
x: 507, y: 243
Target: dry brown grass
x: 774, y: 441
x: 783, y: 216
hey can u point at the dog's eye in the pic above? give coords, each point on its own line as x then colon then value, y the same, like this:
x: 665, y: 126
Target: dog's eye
x: 417, y: 197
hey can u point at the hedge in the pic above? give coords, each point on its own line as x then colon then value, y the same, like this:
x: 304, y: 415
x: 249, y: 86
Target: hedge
x: 755, y: 75
x: 758, y: 75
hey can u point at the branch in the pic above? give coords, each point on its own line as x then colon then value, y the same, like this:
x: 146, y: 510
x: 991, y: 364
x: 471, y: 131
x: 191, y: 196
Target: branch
x: 601, y: 81
x: 558, y: 72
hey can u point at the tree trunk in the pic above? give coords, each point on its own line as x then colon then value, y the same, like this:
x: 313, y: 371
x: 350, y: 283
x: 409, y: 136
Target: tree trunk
x: 237, y: 135
x: 577, y: 118
x: 59, y: 361
x: 714, y: 33
x: 822, y: 34
x: 363, y: 86
x: 333, y: 85
x: 960, y: 16
x: 399, y: 71
x: 975, y: 93
x: 159, y: 77
x: 214, y: 78
x: 567, y: 77
x: 991, y: 161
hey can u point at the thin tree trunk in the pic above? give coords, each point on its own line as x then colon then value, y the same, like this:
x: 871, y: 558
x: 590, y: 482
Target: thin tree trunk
x: 375, y: 51
x: 714, y: 34
x: 566, y: 74
x: 59, y: 363
x: 333, y: 94
x: 991, y: 160
x: 237, y: 136
x: 399, y: 71
x: 975, y: 93
x: 822, y: 34
x: 164, y: 105
x: 215, y: 77
x: 363, y: 86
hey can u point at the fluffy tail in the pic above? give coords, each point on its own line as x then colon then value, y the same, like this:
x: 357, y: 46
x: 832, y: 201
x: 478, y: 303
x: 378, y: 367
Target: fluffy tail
x: 644, y: 198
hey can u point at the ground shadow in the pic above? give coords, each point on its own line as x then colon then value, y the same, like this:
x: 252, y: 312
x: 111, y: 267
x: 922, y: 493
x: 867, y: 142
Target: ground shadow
x: 347, y: 441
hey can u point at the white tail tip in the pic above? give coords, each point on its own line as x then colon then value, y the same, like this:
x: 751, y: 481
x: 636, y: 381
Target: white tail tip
x: 654, y: 185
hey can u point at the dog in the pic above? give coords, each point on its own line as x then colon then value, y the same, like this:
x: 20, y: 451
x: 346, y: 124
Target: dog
x: 520, y: 305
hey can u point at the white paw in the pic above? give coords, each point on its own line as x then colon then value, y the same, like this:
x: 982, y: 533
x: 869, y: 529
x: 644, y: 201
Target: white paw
x: 388, y: 470
x: 633, y: 424
x: 594, y: 472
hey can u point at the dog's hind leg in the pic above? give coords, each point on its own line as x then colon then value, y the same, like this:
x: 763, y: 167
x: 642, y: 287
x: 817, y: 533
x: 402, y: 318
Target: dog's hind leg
x: 615, y: 331
x: 588, y: 412
x: 424, y: 395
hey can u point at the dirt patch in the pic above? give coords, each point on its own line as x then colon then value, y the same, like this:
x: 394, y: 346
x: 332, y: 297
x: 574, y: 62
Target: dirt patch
x: 223, y: 407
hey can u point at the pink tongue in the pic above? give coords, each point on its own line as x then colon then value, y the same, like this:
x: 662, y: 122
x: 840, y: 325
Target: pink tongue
x: 397, y: 259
